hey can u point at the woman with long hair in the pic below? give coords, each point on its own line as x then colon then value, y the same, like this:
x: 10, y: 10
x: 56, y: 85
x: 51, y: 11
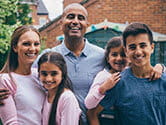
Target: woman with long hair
x: 24, y: 104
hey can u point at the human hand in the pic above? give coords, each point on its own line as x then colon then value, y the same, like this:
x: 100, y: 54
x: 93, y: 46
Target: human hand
x: 110, y: 82
x: 156, y: 72
x: 4, y: 93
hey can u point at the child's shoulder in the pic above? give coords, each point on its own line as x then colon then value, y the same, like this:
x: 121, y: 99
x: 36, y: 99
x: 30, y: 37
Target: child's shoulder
x: 103, y: 72
x: 67, y: 94
x: 67, y: 97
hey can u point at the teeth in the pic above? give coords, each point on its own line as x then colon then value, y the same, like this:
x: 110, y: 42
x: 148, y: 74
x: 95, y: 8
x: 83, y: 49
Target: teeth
x: 31, y: 55
x: 74, y: 28
x: 49, y: 83
x: 139, y: 57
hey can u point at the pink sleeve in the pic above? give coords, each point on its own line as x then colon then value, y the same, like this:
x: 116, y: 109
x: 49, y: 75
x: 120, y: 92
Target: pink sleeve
x: 70, y: 111
x: 8, y: 113
x: 94, y: 97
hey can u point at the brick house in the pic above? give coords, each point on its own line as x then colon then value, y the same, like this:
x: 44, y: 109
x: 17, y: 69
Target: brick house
x: 39, y: 12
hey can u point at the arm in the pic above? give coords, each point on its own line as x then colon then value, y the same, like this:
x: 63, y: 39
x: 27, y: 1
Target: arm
x: 157, y: 72
x: 93, y: 115
x: 71, y: 111
x: 97, y: 91
x: 109, y: 83
x: 4, y: 93
x: 94, y: 97
x: 8, y: 113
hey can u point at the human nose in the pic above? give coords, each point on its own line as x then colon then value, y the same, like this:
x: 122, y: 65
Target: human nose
x: 138, y: 51
x: 119, y: 57
x: 32, y: 47
x: 75, y: 20
x: 48, y: 78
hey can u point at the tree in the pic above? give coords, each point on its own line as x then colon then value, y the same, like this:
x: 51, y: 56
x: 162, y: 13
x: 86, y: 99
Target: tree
x: 12, y: 14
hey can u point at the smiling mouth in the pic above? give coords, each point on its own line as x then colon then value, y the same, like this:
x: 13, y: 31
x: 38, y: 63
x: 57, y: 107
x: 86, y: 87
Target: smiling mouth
x: 30, y: 55
x: 74, y: 28
x: 48, y: 83
x: 120, y: 63
x: 139, y: 58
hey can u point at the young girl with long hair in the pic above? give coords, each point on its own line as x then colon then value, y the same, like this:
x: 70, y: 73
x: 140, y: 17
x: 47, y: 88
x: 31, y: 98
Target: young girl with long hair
x: 61, y: 105
x: 116, y: 61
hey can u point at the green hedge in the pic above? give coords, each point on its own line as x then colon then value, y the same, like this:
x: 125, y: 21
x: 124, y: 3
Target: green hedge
x: 2, y: 60
x: 0, y: 122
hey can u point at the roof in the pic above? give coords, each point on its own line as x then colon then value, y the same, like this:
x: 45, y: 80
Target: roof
x: 41, y: 9
x: 120, y: 28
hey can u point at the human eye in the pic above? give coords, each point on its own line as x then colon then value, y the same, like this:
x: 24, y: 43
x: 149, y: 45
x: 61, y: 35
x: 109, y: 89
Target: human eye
x: 143, y: 45
x: 37, y: 43
x: 43, y: 73
x: 70, y: 16
x: 132, y: 47
x: 114, y: 54
x: 26, y: 43
x: 81, y: 17
x: 54, y: 73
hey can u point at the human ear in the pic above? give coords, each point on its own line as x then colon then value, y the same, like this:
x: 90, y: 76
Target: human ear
x: 88, y: 24
x: 15, y: 49
x: 152, y: 46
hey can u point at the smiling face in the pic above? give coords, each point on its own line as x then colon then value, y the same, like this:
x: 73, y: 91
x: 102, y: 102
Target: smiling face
x: 27, y: 48
x: 50, y: 75
x: 139, y: 49
x: 74, y: 22
x: 117, y: 59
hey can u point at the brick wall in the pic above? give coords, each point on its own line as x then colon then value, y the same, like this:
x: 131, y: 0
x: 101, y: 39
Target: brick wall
x: 151, y: 12
x: 35, y: 20
x: 35, y: 16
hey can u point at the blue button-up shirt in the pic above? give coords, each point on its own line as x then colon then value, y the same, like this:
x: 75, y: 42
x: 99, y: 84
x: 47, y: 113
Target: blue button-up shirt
x: 82, y: 69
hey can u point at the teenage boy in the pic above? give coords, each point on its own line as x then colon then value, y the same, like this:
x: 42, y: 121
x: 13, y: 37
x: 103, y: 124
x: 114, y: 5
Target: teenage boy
x: 137, y: 100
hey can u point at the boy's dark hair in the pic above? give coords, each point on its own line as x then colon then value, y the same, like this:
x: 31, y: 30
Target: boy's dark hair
x: 112, y: 43
x: 135, y: 29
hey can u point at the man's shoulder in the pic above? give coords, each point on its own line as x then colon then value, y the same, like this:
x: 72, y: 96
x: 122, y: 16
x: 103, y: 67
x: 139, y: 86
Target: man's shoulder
x: 96, y: 48
x: 57, y: 48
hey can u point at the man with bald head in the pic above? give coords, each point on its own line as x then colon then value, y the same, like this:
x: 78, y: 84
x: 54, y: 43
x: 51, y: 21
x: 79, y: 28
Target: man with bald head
x: 83, y: 59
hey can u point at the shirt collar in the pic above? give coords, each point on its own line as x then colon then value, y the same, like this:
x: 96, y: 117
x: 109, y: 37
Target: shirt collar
x: 85, y: 51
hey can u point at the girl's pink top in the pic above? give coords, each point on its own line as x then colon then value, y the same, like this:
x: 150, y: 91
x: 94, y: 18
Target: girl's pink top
x: 68, y: 110
x: 94, y: 97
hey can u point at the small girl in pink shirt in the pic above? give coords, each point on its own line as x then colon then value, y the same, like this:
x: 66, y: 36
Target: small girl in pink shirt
x: 61, y: 106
